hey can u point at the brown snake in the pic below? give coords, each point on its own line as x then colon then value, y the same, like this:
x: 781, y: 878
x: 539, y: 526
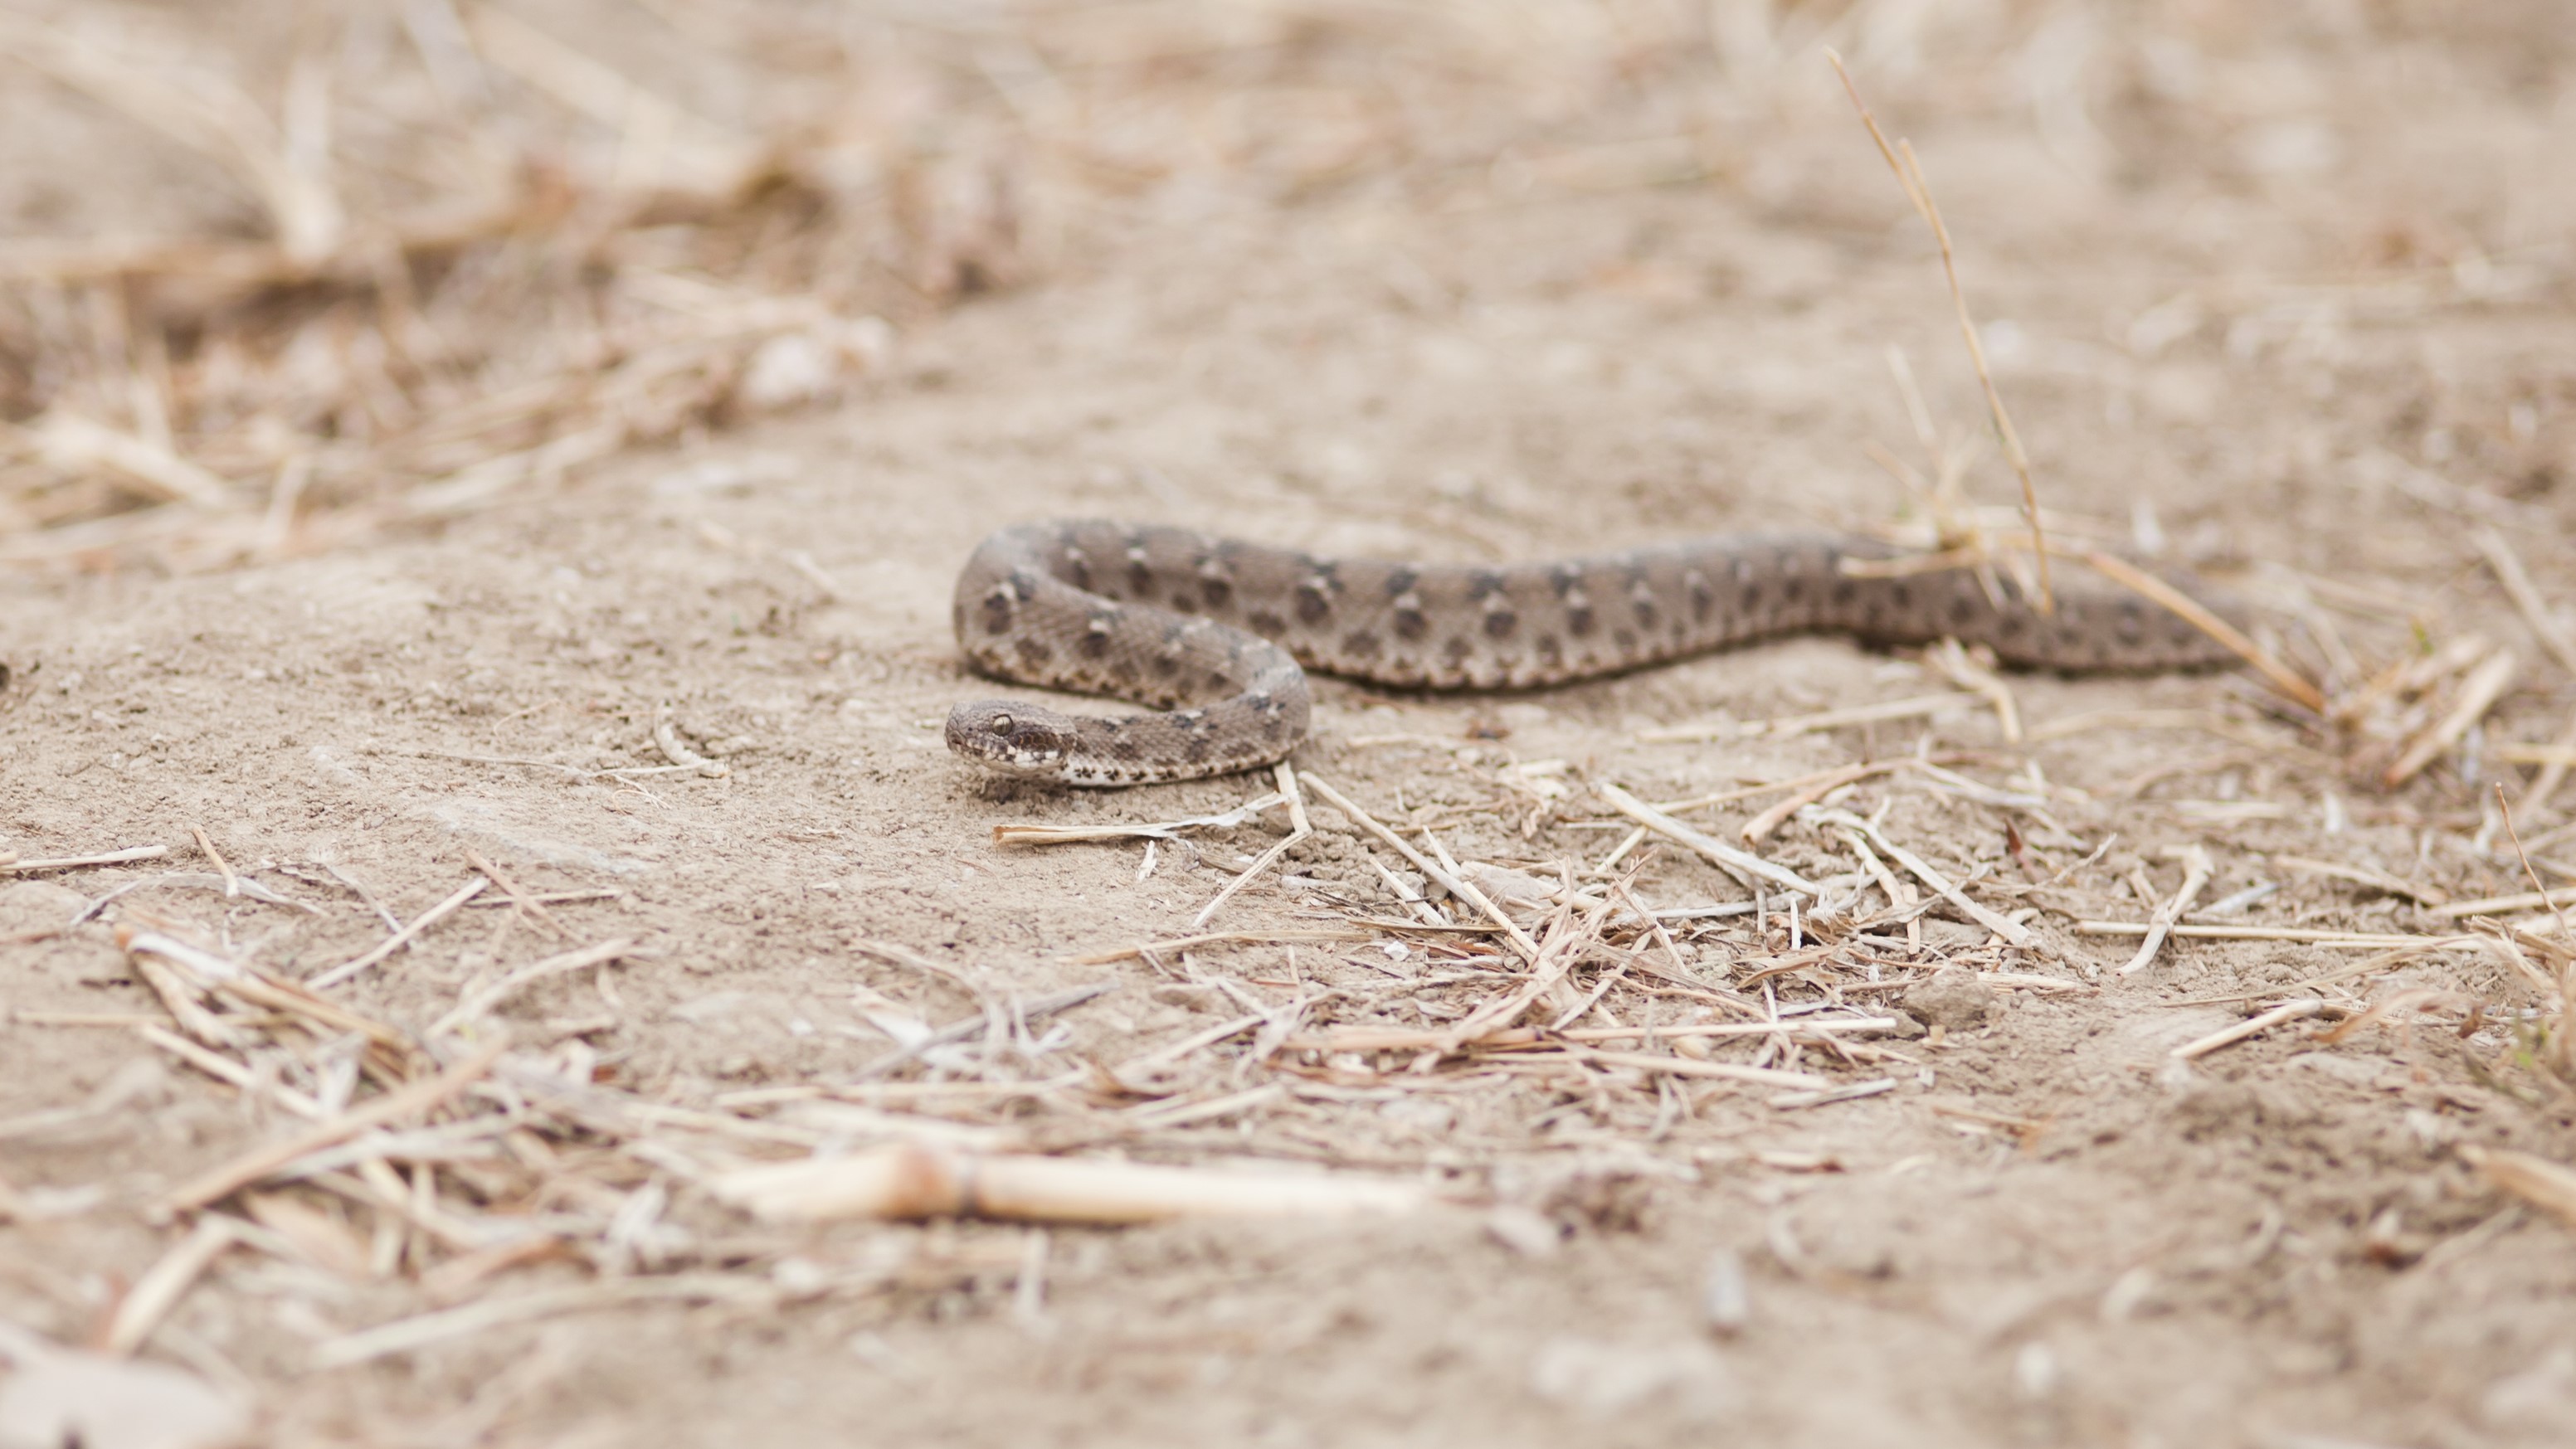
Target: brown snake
x: 1212, y: 632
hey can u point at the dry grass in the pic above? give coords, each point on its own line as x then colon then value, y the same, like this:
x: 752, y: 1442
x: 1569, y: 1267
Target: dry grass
x: 484, y: 260
x: 1522, y: 989
x: 406, y: 341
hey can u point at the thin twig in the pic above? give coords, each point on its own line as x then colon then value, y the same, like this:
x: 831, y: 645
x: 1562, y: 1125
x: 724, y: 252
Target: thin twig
x: 10, y: 865
x: 2546, y: 898
x: 224, y: 1069
x: 2196, y: 870
x: 2312, y: 935
x: 2011, y: 931
x: 399, y: 939
x: 1244, y: 813
x: 1746, y: 792
x: 232, y: 882
x: 493, y: 995
x: 2553, y: 772
x: 1474, y: 895
x: 1032, y: 1010
x: 520, y: 898
x: 1213, y: 938
x: 250, y: 1167
x: 1718, y: 852
x: 167, y: 1281
x: 1449, y: 882
x: 2287, y: 680
x: 1909, y: 175
x: 1564, y: 948
x: 2526, y: 597
x: 2478, y: 693
x: 2255, y: 1026
x: 1297, y: 832
x: 1816, y: 788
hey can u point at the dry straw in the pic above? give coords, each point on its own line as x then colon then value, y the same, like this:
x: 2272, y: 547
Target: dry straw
x: 1901, y: 160
x: 1482, y: 967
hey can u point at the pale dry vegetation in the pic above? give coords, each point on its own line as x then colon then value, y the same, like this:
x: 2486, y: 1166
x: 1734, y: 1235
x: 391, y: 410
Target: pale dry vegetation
x: 351, y: 277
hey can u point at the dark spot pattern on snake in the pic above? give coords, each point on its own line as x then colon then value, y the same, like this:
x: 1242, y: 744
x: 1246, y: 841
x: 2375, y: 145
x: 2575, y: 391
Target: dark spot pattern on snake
x: 1035, y: 604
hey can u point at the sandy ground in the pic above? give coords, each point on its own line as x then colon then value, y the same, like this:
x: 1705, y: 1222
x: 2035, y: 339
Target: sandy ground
x: 2298, y: 292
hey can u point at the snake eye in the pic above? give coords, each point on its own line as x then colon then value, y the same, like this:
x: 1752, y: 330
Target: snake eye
x: 1001, y: 724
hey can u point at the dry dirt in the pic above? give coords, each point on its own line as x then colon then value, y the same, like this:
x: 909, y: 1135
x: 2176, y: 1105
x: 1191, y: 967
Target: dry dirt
x: 2295, y: 295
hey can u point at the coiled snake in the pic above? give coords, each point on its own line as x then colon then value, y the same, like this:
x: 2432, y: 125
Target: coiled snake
x: 1212, y: 633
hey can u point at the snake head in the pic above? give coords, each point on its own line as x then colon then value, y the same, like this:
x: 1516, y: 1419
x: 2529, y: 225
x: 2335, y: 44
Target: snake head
x: 1013, y: 739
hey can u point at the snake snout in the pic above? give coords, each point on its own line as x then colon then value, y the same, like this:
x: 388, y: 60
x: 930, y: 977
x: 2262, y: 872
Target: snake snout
x: 1015, y: 739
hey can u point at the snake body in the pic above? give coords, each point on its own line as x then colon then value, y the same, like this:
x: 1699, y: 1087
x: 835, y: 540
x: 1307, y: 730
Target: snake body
x: 1215, y: 635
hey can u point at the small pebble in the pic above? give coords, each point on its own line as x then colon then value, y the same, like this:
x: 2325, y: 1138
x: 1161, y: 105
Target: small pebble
x: 1952, y: 998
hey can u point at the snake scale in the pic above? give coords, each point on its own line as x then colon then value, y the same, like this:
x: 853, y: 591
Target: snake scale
x: 1215, y: 635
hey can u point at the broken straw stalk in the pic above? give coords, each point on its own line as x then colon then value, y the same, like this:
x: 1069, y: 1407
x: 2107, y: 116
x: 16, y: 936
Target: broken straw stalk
x: 912, y: 1182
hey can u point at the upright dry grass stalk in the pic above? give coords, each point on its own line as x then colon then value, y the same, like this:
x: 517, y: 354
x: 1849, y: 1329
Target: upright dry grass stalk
x: 1901, y: 160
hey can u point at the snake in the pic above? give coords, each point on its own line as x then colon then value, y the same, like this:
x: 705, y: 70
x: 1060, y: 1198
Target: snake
x: 1214, y: 635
